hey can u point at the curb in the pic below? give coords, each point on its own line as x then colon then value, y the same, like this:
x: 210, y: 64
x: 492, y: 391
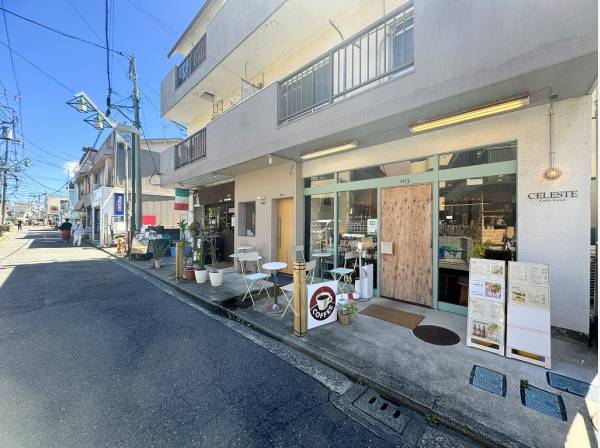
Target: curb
x: 405, y: 394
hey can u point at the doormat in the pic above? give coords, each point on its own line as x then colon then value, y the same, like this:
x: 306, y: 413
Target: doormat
x: 543, y: 401
x: 408, y: 320
x: 490, y: 380
x: 568, y: 384
x: 435, y: 335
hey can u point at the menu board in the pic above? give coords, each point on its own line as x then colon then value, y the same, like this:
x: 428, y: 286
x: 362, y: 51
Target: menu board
x: 528, y: 313
x: 487, y: 292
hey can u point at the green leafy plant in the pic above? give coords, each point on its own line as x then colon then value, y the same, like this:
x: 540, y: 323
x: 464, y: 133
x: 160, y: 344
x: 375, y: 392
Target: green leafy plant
x: 479, y: 248
x: 182, y: 226
x: 350, y: 308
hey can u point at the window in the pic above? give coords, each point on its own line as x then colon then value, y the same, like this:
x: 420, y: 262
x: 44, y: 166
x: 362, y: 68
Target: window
x: 319, y: 223
x: 479, y: 156
x: 320, y: 180
x: 247, y: 219
x: 477, y: 218
x: 405, y: 167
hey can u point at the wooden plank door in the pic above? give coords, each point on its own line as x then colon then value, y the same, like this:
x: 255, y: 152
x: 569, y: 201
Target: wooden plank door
x: 406, y: 217
x: 285, y: 226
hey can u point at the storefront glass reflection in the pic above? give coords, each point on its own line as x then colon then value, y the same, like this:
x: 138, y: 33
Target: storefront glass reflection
x: 477, y: 218
x: 357, y: 215
x: 319, y: 224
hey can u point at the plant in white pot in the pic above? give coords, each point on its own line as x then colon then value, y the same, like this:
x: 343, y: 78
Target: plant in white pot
x: 200, y: 271
x: 215, y: 274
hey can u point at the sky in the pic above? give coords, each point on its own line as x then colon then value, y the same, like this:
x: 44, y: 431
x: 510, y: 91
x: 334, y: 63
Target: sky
x: 53, y: 132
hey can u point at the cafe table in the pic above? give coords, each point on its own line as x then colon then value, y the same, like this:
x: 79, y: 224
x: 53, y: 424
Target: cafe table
x: 274, y: 266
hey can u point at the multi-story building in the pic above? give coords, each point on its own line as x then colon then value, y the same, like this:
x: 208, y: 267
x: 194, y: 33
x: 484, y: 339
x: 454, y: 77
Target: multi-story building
x: 101, y: 182
x: 424, y: 130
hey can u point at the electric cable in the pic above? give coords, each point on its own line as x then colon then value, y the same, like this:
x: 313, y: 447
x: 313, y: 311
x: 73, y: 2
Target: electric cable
x: 106, y: 32
x: 54, y: 30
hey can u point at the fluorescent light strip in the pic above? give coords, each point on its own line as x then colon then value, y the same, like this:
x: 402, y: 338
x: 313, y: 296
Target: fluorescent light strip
x: 334, y: 149
x: 471, y: 115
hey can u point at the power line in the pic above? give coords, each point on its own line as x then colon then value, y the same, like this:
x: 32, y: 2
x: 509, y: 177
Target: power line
x: 50, y: 153
x: 106, y: 31
x: 13, y: 51
x: 54, y: 30
x: 154, y: 18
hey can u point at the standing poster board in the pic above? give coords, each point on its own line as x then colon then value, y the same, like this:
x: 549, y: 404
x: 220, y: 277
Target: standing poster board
x: 528, y: 313
x: 487, y: 292
x: 321, y: 302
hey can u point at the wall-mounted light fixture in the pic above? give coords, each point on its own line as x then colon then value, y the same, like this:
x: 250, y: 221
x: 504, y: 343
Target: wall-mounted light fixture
x: 471, y: 114
x: 552, y: 172
x: 331, y: 150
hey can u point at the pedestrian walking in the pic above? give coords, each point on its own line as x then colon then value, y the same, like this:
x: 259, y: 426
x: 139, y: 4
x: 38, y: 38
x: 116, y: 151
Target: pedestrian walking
x: 77, y: 232
x: 65, y: 229
x: 19, y: 225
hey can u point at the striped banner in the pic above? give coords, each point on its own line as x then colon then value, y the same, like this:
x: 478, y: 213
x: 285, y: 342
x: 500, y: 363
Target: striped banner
x: 182, y: 199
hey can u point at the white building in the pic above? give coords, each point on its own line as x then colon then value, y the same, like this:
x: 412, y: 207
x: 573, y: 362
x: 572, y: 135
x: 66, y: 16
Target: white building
x: 307, y: 111
x: 102, y: 180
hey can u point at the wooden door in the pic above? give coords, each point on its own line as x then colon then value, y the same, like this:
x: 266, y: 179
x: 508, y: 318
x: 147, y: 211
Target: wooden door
x: 406, y: 273
x: 285, y: 228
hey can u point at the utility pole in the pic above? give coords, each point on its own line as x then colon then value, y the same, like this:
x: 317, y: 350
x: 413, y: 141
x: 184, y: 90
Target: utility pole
x: 136, y: 167
x: 7, y: 134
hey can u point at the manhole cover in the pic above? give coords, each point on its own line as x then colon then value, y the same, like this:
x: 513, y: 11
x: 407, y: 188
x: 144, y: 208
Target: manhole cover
x: 543, y: 401
x: 436, y: 335
x: 385, y: 411
x: 568, y: 384
x: 489, y: 380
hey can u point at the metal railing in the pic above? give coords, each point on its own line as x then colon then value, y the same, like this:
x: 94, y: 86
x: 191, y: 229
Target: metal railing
x: 192, y: 148
x: 376, y: 53
x: 191, y: 61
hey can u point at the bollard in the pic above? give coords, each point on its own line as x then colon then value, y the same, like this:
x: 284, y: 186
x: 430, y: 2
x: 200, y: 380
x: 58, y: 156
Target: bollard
x: 300, y: 298
x: 179, y: 260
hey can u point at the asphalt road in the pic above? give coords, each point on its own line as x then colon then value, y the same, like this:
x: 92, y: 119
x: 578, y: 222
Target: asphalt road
x: 92, y: 355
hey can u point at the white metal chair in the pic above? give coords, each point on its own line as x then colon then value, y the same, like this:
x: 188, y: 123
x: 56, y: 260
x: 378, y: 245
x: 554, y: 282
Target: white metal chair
x: 294, y: 250
x: 254, y: 277
x: 288, y: 290
x: 343, y: 275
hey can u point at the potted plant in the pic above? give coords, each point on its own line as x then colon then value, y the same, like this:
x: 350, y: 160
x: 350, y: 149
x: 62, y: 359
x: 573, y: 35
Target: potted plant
x: 346, y: 310
x: 182, y: 226
x: 200, y: 271
x: 215, y: 274
x: 194, y: 228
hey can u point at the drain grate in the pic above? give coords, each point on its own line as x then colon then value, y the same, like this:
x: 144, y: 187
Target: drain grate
x: 543, y: 401
x: 490, y: 380
x: 568, y: 384
x: 386, y: 412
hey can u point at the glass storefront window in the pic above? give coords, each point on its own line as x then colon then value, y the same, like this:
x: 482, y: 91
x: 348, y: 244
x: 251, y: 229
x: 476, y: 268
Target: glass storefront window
x: 319, y: 224
x: 357, y: 223
x: 477, y: 218
x: 388, y: 170
x: 319, y: 181
x: 501, y: 152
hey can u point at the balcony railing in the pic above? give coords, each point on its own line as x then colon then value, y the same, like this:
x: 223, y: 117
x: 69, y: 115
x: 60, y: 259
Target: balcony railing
x: 190, y: 149
x: 191, y: 61
x: 373, y: 54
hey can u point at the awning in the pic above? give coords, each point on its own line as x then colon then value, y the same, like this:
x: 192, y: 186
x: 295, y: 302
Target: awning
x: 84, y: 202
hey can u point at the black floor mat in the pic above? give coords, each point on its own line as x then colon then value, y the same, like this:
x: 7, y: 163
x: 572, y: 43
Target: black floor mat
x: 433, y: 334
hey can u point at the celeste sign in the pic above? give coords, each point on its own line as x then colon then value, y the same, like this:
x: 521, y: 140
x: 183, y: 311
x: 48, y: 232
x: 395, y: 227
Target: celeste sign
x: 321, y: 304
x: 553, y: 196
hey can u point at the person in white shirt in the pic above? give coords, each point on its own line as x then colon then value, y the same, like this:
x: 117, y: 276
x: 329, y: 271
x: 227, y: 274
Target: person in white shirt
x: 77, y: 232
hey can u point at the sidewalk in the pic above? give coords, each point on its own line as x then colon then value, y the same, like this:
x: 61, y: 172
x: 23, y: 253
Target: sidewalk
x: 432, y: 379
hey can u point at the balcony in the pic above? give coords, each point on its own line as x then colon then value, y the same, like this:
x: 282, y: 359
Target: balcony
x: 374, y: 54
x: 191, y: 61
x: 192, y: 148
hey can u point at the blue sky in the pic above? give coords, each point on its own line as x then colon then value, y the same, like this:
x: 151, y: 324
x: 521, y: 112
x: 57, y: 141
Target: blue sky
x: 145, y: 28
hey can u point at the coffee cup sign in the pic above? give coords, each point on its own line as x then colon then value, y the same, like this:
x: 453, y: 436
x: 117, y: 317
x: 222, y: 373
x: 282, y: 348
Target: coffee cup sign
x: 321, y: 304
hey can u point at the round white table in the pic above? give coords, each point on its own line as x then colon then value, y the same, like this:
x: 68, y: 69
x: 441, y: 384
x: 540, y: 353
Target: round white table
x: 244, y: 248
x: 274, y: 266
x: 319, y: 256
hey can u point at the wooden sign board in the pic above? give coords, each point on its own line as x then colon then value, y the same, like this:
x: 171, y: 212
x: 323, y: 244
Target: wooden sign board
x: 487, y: 292
x: 528, y: 313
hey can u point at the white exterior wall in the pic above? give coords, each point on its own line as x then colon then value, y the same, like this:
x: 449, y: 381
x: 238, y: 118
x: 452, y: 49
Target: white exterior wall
x: 556, y: 233
x: 277, y: 182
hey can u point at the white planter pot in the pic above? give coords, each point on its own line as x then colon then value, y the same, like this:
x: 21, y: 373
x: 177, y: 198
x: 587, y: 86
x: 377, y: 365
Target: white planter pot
x: 156, y: 264
x: 216, y: 278
x: 201, y: 275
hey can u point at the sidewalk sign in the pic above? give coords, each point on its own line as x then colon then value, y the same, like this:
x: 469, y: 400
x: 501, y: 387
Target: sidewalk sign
x: 528, y: 313
x: 321, y: 303
x: 487, y: 293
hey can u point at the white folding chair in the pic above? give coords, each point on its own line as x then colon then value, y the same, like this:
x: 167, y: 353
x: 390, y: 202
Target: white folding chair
x: 254, y: 277
x: 310, y: 270
x: 343, y: 275
x: 294, y: 250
